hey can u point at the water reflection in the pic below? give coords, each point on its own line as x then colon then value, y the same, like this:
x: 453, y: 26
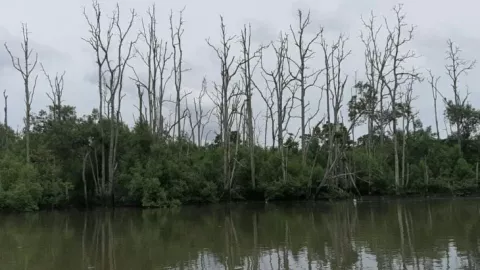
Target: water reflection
x: 437, y: 234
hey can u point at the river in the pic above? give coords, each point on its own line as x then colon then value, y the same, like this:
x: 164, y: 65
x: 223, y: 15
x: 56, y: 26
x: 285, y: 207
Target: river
x: 380, y: 234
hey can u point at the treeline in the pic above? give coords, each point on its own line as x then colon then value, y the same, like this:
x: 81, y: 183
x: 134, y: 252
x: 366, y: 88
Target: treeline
x: 62, y: 159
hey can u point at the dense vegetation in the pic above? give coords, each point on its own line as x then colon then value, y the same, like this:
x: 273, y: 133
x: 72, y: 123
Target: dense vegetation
x: 61, y: 159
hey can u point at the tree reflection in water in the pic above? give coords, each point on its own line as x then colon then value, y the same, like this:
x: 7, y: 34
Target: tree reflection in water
x: 373, y: 235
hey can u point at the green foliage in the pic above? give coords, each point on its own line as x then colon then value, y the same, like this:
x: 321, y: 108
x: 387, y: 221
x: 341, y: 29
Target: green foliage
x: 19, y: 186
x: 155, y: 171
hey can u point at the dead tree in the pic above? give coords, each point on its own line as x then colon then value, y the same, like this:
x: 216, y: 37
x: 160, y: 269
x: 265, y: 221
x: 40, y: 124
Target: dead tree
x: 25, y: 67
x: 433, y: 81
x: 396, y: 74
x: 155, y: 59
x: 268, y: 97
x: 200, y: 113
x: 337, y: 162
x: 226, y: 95
x: 100, y: 40
x: 114, y: 79
x: 305, y: 78
x: 369, y: 104
x: 114, y: 61
x: 176, y: 33
x: 140, y: 106
x: 149, y: 36
x: 375, y: 64
x: 279, y: 80
x: 56, y: 88
x: 237, y: 116
x: 5, y: 111
x: 163, y: 78
x: 189, y: 117
x: 407, y: 118
x: 248, y: 84
x: 457, y: 67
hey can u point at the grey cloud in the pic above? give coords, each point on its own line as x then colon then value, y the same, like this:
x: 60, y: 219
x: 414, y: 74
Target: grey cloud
x: 46, y: 53
x: 433, y: 46
x: 91, y: 76
x: 269, y: 18
x: 4, y: 61
x: 262, y: 32
x: 340, y: 20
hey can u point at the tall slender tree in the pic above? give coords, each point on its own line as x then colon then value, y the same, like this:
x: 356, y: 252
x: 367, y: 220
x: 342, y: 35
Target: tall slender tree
x: 433, y: 81
x: 56, y: 87
x: 176, y: 33
x: 99, y: 40
x: 302, y: 74
x: 5, y: 115
x: 112, y: 78
x: 25, y: 67
x: 395, y: 74
x: 247, y: 77
x: 225, y: 97
x: 279, y: 80
x: 455, y: 68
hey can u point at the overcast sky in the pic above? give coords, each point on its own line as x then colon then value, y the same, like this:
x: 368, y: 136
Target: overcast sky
x: 57, y: 27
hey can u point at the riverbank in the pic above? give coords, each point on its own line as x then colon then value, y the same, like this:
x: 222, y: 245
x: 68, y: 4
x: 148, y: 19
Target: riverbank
x: 283, y: 201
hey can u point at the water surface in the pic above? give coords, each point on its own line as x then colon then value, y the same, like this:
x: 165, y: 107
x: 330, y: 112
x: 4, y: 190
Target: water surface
x: 406, y: 234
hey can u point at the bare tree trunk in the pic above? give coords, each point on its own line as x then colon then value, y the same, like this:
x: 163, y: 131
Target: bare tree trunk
x: 113, y: 78
x: 224, y: 98
x: 5, y: 119
x: 406, y: 117
x: 190, y: 122
x: 455, y: 69
x: 155, y: 60
x: 95, y: 41
x: 278, y: 80
x: 304, y: 79
x: 149, y: 36
x: 247, y: 72
x: 5, y: 109
x: 376, y: 62
x: 140, y: 104
x: 176, y: 39
x: 115, y: 86
x: 161, y: 61
x: 397, y: 38
x: 433, y: 84
x: 26, y: 70
x: 56, y: 88
x: 200, y: 114
x: 269, y: 114
x: 328, y: 80
x: 337, y: 167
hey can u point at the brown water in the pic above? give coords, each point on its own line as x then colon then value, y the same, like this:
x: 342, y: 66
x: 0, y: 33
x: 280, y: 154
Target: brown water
x: 409, y: 234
